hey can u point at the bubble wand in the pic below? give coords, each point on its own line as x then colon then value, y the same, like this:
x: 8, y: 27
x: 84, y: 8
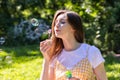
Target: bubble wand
x: 68, y: 74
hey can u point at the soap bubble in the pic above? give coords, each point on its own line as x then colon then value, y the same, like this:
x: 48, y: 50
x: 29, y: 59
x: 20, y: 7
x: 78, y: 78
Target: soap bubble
x: 2, y: 40
x: 34, y: 22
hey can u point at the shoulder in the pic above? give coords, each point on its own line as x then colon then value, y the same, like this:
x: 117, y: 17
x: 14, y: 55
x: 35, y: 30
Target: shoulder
x: 94, y: 50
x: 94, y: 56
x: 90, y: 48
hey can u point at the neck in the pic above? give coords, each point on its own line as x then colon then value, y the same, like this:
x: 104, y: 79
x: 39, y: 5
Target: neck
x: 70, y: 44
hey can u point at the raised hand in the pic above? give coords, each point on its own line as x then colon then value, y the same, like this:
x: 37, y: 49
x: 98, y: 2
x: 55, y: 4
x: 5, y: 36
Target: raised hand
x: 45, y: 48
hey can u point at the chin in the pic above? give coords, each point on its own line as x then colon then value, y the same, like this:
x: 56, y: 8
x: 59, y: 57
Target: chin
x: 58, y: 36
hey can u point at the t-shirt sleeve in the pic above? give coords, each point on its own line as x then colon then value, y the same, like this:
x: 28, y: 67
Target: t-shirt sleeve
x: 95, y: 56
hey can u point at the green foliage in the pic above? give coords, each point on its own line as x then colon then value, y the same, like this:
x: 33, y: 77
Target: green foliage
x: 112, y: 24
x: 112, y: 66
x: 100, y: 18
x: 44, y: 36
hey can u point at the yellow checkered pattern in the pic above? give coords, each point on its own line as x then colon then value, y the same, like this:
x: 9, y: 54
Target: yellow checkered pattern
x: 82, y: 70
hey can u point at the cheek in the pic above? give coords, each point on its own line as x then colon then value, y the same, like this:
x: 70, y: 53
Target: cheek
x: 61, y: 25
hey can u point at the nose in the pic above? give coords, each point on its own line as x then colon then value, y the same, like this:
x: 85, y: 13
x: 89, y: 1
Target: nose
x: 57, y: 24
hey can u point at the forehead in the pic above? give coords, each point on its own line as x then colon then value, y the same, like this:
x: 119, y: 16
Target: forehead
x: 61, y: 17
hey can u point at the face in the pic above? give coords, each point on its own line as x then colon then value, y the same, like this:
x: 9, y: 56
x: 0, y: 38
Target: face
x: 62, y: 27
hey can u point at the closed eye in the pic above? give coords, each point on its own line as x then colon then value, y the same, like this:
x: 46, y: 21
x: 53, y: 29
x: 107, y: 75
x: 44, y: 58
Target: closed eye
x: 62, y: 22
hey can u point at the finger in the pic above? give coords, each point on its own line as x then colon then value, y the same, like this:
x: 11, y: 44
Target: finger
x: 45, y: 52
x: 45, y: 48
x: 45, y: 45
x: 42, y: 43
x: 48, y: 41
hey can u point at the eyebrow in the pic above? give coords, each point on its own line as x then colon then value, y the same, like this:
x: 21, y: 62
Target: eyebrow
x: 63, y: 19
x: 60, y: 20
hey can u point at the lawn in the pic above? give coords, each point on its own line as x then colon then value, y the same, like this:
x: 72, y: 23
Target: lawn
x: 20, y: 63
x: 25, y: 63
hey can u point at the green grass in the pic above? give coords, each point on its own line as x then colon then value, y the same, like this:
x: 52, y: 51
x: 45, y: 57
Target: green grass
x: 20, y: 63
x: 112, y: 66
x: 25, y: 63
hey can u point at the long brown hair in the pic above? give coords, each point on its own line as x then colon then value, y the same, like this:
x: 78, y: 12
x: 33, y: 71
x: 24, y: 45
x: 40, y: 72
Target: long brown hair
x: 75, y: 22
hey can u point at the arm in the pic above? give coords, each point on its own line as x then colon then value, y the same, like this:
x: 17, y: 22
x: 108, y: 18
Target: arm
x: 44, y: 48
x: 44, y: 73
x: 47, y: 72
x: 51, y: 73
x: 100, y: 72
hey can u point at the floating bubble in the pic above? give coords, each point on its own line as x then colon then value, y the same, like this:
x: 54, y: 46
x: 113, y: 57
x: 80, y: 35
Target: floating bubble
x: 2, y: 40
x: 34, y: 22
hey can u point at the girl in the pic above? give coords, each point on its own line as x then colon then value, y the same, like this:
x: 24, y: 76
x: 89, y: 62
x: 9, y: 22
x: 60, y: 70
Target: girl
x: 66, y: 51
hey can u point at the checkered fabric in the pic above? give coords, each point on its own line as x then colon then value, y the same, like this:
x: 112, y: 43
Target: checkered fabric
x: 82, y: 70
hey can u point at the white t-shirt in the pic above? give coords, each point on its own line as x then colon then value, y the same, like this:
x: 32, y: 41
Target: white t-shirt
x: 70, y: 58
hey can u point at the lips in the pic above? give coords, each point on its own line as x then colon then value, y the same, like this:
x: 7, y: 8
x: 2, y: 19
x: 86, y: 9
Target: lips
x: 57, y: 30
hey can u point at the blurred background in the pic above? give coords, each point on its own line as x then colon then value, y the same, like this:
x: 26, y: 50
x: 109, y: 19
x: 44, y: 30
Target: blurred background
x: 24, y: 23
